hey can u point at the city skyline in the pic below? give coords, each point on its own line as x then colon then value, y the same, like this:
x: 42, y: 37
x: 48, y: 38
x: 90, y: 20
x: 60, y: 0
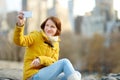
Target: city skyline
x: 79, y: 9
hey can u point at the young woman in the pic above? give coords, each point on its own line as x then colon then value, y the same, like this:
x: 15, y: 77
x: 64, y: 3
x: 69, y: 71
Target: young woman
x: 42, y: 52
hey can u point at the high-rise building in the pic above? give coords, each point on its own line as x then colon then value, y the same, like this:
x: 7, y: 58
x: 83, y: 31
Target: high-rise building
x: 34, y: 6
x: 51, y: 9
x: 3, y: 12
x: 105, y: 8
x: 97, y: 21
x: 63, y: 13
x: 3, y: 8
x: 24, y: 5
x: 41, y: 9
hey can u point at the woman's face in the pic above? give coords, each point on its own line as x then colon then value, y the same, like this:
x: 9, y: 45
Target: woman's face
x: 50, y: 28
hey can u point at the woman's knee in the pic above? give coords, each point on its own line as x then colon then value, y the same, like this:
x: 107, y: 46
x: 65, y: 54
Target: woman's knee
x: 65, y: 61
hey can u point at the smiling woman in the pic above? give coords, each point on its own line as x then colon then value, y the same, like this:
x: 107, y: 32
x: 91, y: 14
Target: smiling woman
x: 41, y: 57
x: 15, y: 5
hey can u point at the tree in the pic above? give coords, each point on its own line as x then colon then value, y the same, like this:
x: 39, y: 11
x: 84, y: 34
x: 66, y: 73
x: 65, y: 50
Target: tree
x: 95, y: 57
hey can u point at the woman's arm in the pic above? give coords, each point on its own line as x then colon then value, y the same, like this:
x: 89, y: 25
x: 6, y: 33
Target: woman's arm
x: 47, y: 60
x: 19, y: 38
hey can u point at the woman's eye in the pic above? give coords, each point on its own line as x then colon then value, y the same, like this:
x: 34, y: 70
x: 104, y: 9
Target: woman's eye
x: 53, y: 26
x: 46, y: 25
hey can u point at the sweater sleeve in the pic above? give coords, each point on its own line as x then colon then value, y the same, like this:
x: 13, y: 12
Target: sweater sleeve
x: 45, y: 60
x: 20, y: 39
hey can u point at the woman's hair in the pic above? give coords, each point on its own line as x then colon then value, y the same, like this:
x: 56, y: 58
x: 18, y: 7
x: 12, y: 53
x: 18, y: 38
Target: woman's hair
x: 56, y: 21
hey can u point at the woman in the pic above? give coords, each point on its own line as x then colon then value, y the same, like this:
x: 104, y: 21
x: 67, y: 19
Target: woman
x: 42, y: 52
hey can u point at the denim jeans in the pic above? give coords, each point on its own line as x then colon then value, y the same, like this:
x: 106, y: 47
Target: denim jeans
x: 59, y: 70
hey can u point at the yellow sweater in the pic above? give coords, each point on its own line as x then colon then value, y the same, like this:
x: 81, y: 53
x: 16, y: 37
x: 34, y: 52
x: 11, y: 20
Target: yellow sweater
x: 35, y: 47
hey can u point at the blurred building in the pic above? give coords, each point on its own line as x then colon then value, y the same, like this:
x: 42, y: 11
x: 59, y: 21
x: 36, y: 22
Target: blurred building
x: 78, y: 22
x: 92, y: 24
x: 105, y: 8
x: 51, y: 7
x: 24, y: 5
x: 11, y: 15
x: 41, y: 9
x: 63, y: 13
x: 100, y: 20
x: 71, y: 13
x: 34, y: 6
x: 2, y: 8
x: 3, y: 12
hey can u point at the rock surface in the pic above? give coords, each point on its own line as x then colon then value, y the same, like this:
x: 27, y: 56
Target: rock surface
x: 111, y: 76
x: 10, y: 74
x: 10, y: 70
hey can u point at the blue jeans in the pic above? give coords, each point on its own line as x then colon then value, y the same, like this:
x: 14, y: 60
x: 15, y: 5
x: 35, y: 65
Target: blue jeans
x: 59, y: 70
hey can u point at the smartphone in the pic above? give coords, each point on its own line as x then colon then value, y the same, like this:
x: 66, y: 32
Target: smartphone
x: 27, y: 14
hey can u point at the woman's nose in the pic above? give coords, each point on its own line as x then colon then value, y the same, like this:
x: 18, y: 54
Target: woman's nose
x: 49, y: 28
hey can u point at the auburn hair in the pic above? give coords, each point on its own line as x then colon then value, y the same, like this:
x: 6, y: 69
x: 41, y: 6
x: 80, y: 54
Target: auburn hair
x: 56, y: 21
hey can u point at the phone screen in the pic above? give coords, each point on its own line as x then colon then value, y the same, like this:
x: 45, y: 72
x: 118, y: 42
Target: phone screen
x: 27, y: 14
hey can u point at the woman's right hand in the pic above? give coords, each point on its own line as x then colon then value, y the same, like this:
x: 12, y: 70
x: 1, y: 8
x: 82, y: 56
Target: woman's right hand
x: 20, y: 18
x: 35, y: 62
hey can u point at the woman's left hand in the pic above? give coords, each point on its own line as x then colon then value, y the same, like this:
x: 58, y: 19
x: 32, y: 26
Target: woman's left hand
x: 35, y: 62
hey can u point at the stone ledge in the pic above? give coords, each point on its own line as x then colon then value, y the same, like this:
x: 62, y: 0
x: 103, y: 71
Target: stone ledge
x: 10, y: 74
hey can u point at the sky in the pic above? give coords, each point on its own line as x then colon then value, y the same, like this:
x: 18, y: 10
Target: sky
x: 81, y: 6
x: 117, y: 6
x: 14, y: 5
